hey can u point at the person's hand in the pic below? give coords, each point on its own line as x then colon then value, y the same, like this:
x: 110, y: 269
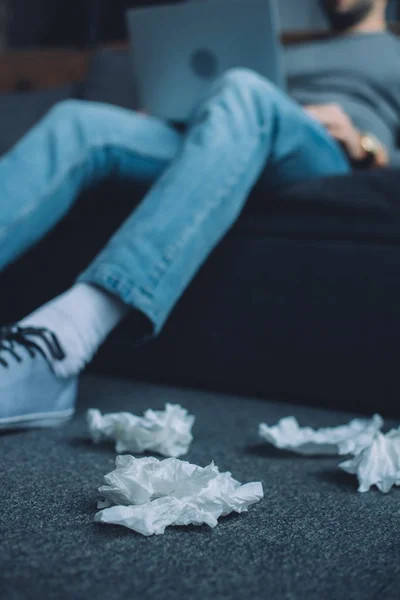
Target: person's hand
x: 341, y: 127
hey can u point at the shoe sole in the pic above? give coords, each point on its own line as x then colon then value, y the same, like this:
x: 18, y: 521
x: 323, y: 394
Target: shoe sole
x: 45, y: 419
x: 34, y: 420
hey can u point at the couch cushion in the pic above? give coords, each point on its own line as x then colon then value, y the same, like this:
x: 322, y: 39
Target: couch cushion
x: 20, y: 112
x: 110, y: 79
x: 364, y: 205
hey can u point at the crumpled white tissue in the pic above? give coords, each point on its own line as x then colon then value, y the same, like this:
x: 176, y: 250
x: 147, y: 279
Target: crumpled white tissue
x: 149, y: 494
x: 167, y: 432
x: 378, y: 464
x: 345, y: 439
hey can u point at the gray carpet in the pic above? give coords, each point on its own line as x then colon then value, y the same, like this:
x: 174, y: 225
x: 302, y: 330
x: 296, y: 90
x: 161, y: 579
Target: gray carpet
x: 312, y: 536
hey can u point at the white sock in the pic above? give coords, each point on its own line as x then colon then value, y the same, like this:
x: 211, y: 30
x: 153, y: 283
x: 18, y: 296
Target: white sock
x: 81, y: 318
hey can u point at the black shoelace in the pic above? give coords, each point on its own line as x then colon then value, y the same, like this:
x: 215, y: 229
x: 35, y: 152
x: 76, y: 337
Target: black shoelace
x: 14, y: 338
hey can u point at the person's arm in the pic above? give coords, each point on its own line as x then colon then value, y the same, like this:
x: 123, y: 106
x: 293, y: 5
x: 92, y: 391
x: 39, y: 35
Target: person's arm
x: 394, y: 159
x: 362, y: 148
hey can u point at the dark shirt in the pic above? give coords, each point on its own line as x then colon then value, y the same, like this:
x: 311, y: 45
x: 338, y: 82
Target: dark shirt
x: 360, y: 72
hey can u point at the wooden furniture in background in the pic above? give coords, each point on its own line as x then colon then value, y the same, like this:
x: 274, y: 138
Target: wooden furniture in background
x: 23, y: 70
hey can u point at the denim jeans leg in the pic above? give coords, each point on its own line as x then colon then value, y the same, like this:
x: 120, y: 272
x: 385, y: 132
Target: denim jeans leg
x: 244, y: 126
x: 75, y: 146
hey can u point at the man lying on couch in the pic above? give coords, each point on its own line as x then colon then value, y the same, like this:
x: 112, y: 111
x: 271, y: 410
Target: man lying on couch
x: 344, y: 112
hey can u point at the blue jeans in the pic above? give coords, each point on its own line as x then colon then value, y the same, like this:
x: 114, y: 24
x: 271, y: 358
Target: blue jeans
x: 243, y: 129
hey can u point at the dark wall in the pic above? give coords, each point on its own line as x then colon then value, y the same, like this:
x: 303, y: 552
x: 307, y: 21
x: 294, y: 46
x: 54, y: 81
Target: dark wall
x: 47, y: 23
x: 81, y: 22
x: 69, y: 22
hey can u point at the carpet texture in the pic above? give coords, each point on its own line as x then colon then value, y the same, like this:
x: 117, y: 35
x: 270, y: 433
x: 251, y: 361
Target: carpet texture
x: 312, y: 536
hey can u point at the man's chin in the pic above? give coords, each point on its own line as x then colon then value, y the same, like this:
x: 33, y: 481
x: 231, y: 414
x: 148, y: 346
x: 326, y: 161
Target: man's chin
x: 342, y: 20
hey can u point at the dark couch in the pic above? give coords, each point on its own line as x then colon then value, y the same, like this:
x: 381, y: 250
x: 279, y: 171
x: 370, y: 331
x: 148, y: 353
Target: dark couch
x: 300, y: 300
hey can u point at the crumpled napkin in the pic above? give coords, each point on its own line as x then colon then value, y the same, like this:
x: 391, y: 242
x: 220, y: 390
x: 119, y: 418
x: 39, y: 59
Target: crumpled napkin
x: 378, y: 464
x: 149, y: 495
x: 376, y: 456
x: 167, y: 432
x: 345, y: 439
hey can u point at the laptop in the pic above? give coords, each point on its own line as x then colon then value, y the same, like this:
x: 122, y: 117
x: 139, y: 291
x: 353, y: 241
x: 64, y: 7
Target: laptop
x: 178, y: 50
